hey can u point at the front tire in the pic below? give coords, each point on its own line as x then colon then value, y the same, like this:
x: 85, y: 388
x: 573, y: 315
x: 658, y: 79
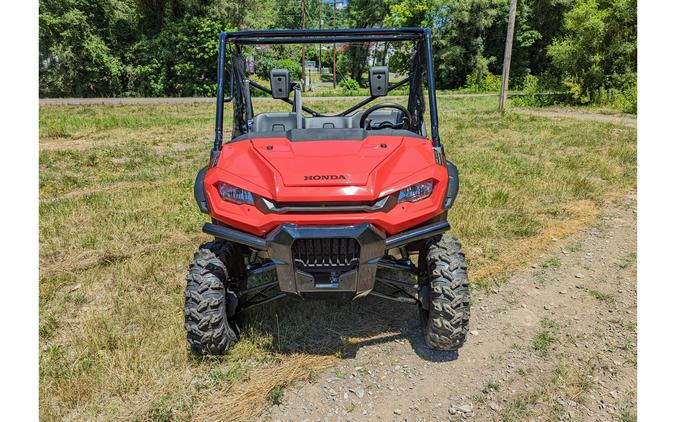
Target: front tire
x: 444, y: 292
x: 210, y: 302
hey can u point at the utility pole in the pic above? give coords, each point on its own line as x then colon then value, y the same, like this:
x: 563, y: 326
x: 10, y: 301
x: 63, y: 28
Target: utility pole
x: 334, y: 45
x: 302, y: 69
x: 507, y: 56
x: 320, y: 26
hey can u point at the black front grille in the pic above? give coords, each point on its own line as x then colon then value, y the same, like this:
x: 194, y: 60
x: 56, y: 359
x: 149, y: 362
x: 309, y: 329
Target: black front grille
x: 326, y: 254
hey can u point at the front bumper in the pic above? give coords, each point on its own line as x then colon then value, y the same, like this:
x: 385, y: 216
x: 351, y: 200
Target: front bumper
x: 353, y: 282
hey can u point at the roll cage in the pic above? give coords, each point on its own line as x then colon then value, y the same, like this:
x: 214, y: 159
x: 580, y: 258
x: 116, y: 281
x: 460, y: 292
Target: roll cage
x: 230, y: 43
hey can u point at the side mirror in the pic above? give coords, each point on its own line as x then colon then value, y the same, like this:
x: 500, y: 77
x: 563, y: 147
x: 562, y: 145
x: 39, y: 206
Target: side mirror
x: 379, y: 81
x: 280, y: 80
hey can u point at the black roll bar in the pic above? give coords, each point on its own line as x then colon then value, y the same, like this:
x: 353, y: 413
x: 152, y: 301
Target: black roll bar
x: 325, y: 32
x: 431, y: 82
x: 371, y: 98
x: 220, y: 92
x: 315, y: 36
x: 323, y: 39
x: 266, y: 90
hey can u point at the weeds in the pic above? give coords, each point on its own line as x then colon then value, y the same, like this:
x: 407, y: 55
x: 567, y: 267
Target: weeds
x: 603, y: 297
x: 628, y: 415
x: 545, y: 337
x: 627, y: 346
x: 552, y: 262
x: 574, y: 246
x: 629, y: 261
x: 491, y: 386
x: 542, y: 341
x: 541, y: 402
x: 276, y: 396
x: 478, y: 398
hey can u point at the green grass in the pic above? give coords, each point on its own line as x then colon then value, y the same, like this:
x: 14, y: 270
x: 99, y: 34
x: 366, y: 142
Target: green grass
x: 628, y: 261
x: 491, y: 386
x: 603, y: 297
x: 552, y: 262
x: 628, y: 415
x: 276, y: 396
x: 478, y: 398
x: 545, y: 337
x: 118, y: 227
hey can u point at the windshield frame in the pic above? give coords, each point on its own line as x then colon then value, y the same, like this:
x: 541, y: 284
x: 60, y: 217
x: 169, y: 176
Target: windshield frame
x: 422, y: 37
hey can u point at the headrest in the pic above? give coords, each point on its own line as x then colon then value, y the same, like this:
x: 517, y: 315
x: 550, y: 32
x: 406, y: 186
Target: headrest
x: 281, y: 83
x: 379, y: 81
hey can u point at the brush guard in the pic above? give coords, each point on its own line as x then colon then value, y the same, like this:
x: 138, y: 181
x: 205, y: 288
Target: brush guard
x: 320, y: 261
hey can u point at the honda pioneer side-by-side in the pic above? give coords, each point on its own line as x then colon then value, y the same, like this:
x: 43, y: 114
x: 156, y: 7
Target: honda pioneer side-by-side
x: 330, y: 202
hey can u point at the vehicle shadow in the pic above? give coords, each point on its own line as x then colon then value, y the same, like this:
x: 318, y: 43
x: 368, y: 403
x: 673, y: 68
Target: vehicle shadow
x: 341, y: 329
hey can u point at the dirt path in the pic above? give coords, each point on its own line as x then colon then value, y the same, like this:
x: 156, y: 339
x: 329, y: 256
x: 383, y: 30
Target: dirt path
x: 624, y: 120
x: 555, y: 342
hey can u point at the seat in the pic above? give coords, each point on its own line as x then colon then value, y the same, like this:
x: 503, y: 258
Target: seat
x: 275, y: 122
x: 282, y: 122
x: 337, y: 122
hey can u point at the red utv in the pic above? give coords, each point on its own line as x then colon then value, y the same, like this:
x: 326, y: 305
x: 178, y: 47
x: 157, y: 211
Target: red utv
x: 326, y: 200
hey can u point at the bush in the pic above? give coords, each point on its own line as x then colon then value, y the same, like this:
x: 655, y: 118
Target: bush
x: 264, y: 64
x: 178, y: 61
x: 486, y: 82
x: 624, y: 99
x: 539, y: 92
x: 597, y: 53
x: 293, y: 67
x: 75, y: 59
x: 348, y: 85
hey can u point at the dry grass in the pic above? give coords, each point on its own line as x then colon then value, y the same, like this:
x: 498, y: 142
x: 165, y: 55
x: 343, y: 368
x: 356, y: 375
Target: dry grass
x: 119, y: 226
x: 569, y: 381
x: 574, y: 216
x: 245, y: 400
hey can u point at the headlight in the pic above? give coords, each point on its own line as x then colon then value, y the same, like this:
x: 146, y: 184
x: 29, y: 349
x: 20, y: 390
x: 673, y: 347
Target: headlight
x: 234, y: 194
x: 416, y: 192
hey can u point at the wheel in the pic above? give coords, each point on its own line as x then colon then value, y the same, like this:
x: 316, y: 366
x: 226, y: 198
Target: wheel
x: 444, y: 294
x: 210, y: 301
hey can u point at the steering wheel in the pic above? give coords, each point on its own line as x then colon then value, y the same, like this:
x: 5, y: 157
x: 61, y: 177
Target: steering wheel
x: 405, y: 124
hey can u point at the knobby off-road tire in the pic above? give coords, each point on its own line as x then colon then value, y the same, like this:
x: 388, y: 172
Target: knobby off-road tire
x: 209, y: 304
x: 445, y: 281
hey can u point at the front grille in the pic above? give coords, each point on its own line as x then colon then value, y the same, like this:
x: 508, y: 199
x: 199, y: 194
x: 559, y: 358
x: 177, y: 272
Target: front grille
x: 326, y: 254
x: 344, y: 207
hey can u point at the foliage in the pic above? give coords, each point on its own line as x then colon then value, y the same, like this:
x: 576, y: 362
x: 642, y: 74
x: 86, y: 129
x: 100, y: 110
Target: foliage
x: 348, y: 85
x: 151, y: 48
x: 75, y: 59
x: 598, y: 53
x: 179, y: 60
x: 483, y: 82
x: 264, y: 65
x: 539, y: 91
x: 624, y: 99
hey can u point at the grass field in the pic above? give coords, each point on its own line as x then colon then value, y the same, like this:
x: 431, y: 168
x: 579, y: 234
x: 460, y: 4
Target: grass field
x: 118, y: 226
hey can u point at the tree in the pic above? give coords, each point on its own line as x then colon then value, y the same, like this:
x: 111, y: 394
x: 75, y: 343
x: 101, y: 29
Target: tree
x: 599, y: 47
x: 363, y: 14
x: 156, y: 48
x: 75, y: 59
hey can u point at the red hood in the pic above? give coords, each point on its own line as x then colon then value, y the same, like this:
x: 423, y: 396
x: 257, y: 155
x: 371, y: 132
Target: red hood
x: 326, y: 170
x: 325, y: 163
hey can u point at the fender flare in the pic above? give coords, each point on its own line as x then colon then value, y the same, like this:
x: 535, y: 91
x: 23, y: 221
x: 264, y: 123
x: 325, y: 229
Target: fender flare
x: 453, y: 185
x: 200, y: 192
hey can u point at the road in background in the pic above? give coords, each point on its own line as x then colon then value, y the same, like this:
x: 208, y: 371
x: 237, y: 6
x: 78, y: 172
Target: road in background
x: 191, y: 100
